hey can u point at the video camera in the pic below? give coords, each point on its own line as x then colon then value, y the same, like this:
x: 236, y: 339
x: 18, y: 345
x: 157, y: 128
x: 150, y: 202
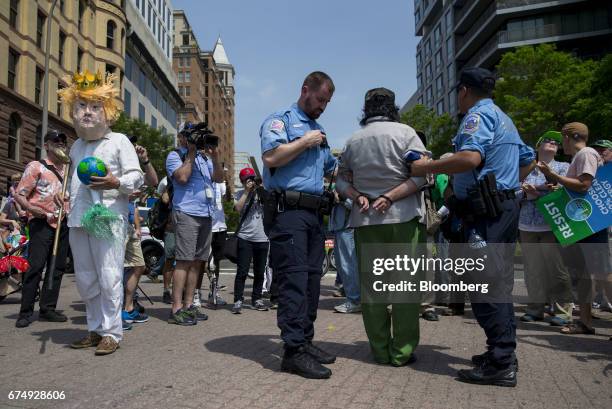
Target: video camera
x: 200, y: 135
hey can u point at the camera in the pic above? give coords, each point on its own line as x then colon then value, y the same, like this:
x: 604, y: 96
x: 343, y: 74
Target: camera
x: 133, y: 139
x: 200, y: 135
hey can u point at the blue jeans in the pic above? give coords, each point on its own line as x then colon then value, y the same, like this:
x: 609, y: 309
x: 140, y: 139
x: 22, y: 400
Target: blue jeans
x: 346, y: 264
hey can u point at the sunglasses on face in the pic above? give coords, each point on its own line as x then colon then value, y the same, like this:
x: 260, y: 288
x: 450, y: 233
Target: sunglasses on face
x: 56, y: 137
x: 556, y: 143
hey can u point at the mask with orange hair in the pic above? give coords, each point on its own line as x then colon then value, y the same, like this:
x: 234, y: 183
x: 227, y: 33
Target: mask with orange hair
x: 91, y: 99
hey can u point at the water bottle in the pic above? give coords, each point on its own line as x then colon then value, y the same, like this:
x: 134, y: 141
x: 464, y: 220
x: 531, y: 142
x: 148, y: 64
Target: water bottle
x: 475, y: 240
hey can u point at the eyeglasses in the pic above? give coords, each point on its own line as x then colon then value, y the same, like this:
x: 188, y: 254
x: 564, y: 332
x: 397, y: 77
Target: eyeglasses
x: 554, y: 142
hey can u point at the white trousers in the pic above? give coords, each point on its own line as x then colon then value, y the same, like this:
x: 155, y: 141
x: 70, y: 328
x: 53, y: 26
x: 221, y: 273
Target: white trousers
x: 98, y: 269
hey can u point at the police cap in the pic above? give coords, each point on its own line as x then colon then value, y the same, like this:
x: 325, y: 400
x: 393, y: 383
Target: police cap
x: 478, y: 78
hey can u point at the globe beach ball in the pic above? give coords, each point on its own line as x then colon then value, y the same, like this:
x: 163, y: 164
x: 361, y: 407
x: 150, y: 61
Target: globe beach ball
x: 88, y: 167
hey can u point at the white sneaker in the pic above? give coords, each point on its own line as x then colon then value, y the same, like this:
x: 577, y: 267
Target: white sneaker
x: 347, y: 308
x: 196, y: 298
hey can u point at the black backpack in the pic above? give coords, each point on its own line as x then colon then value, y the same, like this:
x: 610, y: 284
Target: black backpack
x: 159, y: 214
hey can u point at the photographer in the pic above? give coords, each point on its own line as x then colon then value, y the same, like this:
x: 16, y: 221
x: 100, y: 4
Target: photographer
x: 192, y: 174
x: 252, y: 242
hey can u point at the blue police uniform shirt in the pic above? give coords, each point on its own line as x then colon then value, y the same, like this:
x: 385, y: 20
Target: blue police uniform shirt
x: 195, y: 197
x: 486, y: 129
x: 305, y: 172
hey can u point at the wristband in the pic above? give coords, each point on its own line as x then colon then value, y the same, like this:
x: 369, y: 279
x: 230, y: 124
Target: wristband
x: 387, y: 198
x: 145, y: 163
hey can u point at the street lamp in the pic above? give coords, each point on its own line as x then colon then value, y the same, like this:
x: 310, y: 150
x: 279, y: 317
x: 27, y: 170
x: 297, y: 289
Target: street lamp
x: 45, y: 113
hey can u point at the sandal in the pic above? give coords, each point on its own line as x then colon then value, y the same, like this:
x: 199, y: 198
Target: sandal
x: 577, y: 328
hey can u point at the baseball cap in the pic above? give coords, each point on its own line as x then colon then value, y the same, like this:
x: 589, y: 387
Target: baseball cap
x: 602, y: 143
x: 382, y: 93
x: 477, y: 77
x: 246, y: 173
x: 553, y: 135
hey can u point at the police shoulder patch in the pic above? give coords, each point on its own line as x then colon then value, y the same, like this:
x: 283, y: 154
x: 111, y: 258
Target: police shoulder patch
x: 471, y: 123
x: 277, y: 126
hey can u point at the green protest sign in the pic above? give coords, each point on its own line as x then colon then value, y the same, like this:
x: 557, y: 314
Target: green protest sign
x: 574, y: 216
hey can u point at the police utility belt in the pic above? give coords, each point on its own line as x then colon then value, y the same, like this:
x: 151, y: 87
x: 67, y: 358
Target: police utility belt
x: 292, y: 200
x: 483, y: 199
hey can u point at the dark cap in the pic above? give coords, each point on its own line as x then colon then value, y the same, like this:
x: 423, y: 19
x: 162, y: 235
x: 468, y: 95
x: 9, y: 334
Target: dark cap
x: 54, y: 135
x: 477, y: 77
x: 382, y: 93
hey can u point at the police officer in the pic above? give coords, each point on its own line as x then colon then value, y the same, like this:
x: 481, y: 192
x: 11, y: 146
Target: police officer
x: 488, y: 143
x: 296, y: 157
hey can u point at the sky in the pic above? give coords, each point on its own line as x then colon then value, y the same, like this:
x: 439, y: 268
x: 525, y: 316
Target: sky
x: 274, y: 44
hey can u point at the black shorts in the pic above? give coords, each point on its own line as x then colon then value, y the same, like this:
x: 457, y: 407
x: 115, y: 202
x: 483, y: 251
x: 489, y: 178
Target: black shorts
x: 217, y: 244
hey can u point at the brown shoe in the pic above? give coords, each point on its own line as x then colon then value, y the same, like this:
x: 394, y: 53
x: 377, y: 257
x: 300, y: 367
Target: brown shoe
x: 107, y: 346
x: 91, y: 340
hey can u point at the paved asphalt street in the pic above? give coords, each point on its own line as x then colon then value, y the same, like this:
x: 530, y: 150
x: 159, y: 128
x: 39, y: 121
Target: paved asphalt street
x: 233, y: 361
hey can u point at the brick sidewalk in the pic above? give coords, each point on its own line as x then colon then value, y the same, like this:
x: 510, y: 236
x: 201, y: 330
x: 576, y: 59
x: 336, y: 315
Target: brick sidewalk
x: 233, y: 361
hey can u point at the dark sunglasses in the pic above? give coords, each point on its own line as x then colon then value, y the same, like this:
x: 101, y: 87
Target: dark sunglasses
x: 554, y: 142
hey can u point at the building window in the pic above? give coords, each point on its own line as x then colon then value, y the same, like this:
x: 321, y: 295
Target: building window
x: 79, y: 59
x: 439, y: 85
x: 61, y: 6
x: 82, y: 7
x: 449, y: 48
x: 40, y: 24
x: 438, y: 60
x: 419, y: 81
x: 206, y: 91
x: 110, y: 34
x: 13, y: 136
x: 437, y: 36
x: 187, y: 76
x: 180, y: 62
x: 12, y: 68
x: 428, y: 73
x: 59, y: 104
x: 62, y: 43
x: 141, y: 112
x: 153, y: 122
x: 149, y: 16
x: 14, y: 12
x: 185, y: 39
x: 450, y: 74
x: 440, y: 107
x: 38, y: 85
x: 187, y: 91
x: 417, y: 15
x: 419, y: 60
x: 187, y: 61
x: 127, y: 102
x: 142, y: 81
x: 206, y: 77
x: 110, y: 68
x: 181, y: 91
x: 429, y: 96
x: 448, y: 20
x: 452, y: 101
x: 39, y: 143
x: 206, y: 105
x: 427, y: 49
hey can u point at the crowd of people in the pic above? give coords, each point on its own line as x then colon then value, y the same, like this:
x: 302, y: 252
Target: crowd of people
x: 381, y: 196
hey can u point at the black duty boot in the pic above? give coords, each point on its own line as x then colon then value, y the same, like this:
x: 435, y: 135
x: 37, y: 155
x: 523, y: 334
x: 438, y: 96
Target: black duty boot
x: 488, y: 374
x: 317, y: 353
x: 303, y: 364
x: 479, y: 360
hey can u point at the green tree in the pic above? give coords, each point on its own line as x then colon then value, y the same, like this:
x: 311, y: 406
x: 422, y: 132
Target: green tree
x: 596, y: 109
x: 158, y: 145
x: 438, y: 129
x: 541, y: 89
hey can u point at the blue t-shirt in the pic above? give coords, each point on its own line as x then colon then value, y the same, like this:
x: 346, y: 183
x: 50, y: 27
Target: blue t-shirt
x: 196, y: 197
x: 305, y: 172
x: 490, y: 132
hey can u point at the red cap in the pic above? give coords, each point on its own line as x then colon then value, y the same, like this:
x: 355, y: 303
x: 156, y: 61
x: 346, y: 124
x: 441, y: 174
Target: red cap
x: 246, y: 173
